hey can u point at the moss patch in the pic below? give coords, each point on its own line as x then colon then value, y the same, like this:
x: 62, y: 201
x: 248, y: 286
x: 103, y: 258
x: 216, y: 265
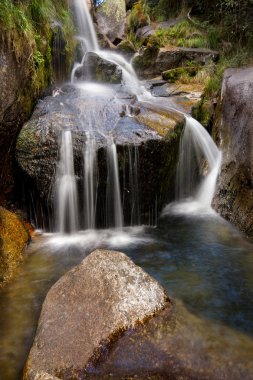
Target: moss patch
x: 26, y: 30
x: 13, y: 239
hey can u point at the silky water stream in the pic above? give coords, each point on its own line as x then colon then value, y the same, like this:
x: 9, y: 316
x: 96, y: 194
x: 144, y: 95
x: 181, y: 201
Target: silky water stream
x: 198, y: 257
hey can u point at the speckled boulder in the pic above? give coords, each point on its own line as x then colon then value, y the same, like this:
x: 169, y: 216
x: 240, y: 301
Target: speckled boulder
x: 45, y: 376
x: 91, y: 304
x: 13, y: 239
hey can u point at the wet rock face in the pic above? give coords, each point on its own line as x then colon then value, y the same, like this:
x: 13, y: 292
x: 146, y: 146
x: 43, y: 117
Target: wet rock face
x: 94, y: 302
x: 234, y: 196
x: 111, y: 19
x: 59, y: 56
x: 98, y: 69
x: 12, y: 78
x: 13, y: 239
x: 153, y: 61
x: 145, y: 136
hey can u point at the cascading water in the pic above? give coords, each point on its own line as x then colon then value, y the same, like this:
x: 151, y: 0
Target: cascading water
x: 114, y: 206
x: 196, y: 146
x: 66, y: 190
x: 90, y: 182
x: 134, y: 186
x: 85, y: 25
x: 195, y: 139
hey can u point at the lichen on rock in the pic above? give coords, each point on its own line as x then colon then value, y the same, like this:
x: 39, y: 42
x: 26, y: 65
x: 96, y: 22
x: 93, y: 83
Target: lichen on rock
x: 13, y: 239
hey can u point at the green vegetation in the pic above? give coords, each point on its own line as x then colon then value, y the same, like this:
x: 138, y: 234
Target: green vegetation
x: 25, y: 27
x: 223, y: 25
x: 138, y: 17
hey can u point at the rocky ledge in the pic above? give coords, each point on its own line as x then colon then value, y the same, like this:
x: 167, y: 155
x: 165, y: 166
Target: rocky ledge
x: 152, y: 61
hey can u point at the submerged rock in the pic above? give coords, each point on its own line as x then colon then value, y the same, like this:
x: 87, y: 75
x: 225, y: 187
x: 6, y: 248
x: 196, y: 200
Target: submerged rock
x: 13, y: 239
x: 88, y: 307
x: 153, y: 61
x: 234, y: 196
x: 176, y: 345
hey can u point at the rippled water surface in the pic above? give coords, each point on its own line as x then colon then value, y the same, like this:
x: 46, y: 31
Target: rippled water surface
x: 201, y: 260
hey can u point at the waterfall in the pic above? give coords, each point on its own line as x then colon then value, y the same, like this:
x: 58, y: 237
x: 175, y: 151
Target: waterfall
x: 114, y: 206
x: 66, y: 190
x: 196, y: 146
x: 134, y: 186
x: 85, y: 25
x: 87, y: 35
x: 90, y: 182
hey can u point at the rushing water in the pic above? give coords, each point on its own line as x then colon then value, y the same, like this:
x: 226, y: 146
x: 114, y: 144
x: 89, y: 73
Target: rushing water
x: 66, y: 190
x: 90, y: 182
x: 201, y: 260
x: 114, y: 206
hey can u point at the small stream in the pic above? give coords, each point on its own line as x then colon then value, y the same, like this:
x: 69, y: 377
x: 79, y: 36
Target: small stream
x: 201, y: 260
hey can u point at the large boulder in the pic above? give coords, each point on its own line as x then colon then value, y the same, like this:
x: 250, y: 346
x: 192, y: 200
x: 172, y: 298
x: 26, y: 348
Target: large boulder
x: 152, y: 61
x: 13, y: 240
x: 234, y: 196
x: 111, y: 19
x: 87, y: 308
x: 151, y: 132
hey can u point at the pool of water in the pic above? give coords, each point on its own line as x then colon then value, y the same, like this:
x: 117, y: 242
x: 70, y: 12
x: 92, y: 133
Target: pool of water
x: 201, y: 260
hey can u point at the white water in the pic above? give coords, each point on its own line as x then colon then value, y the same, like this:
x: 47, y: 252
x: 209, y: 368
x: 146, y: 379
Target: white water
x: 134, y: 184
x: 196, y: 145
x: 85, y: 25
x: 90, y: 181
x: 114, y: 206
x: 66, y: 205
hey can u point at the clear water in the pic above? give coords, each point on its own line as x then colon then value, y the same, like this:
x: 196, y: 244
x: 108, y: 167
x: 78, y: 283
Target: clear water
x: 200, y: 260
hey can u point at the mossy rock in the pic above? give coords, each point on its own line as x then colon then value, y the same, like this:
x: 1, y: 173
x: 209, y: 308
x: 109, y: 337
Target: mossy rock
x: 174, y: 74
x: 203, y: 111
x: 145, y: 59
x: 126, y: 47
x: 164, y: 122
x: 13, y: 239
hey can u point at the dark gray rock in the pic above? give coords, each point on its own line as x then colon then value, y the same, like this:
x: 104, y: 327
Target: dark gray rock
x: 153, y: 61
x: 13, y: 77
x: 234, y: 196
x: 99, y: 69
x: 94, y: 302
